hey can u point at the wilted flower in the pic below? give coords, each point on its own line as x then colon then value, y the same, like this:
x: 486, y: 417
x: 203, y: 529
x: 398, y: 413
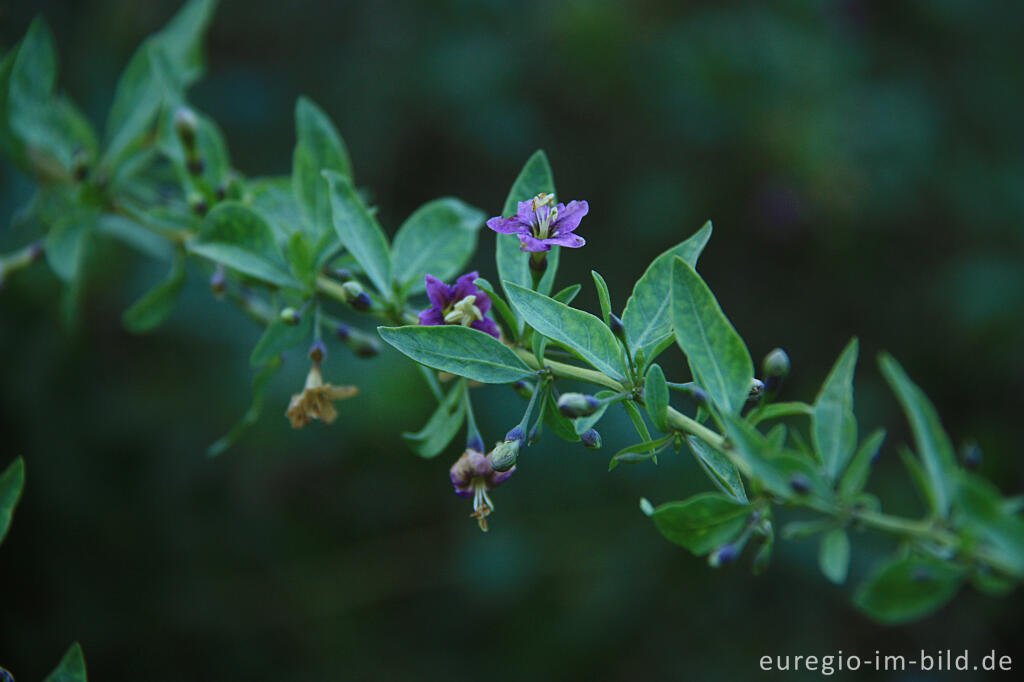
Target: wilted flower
x: 316, y: 400
x: 539, y: 225
x: 465, y: 304
x: 472, y: 475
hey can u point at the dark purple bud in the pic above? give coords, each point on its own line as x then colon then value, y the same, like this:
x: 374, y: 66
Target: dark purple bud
x: 726, y: 554
x: 515, y: 434
x: 197, y: 203
x: 343, y: 274
x: 574, y: 405
x: 524, y: 389
x: 35, y: 251
x: 699, y: 395
x: 362, y: 302
x: 196, y: 166
x: 591, y: 439
x: 971, y: 455
x: 475, y: 442
x: 800, y: 484
x: 290, y: 316
x: 80, y: 165
x: 222, y: 191
x: 343, y: 331
x: 218, y: 282
x: 364, y: 347
x: 185, y: 125
x: 318, y: 351
x: 615, y: 324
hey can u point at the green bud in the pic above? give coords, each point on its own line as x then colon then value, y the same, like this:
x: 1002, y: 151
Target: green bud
x: 505, y: 454
x: 351, y: 290
x: 776, y: 364
x: 523, y: 389
x: 290, y: 316
x: 185, y: 125
x: 574, y: 405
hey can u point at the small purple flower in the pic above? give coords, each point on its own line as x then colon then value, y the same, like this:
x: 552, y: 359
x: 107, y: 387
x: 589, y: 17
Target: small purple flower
x: 472, y: 476
x: 465, y: 304
x: 539, y: 225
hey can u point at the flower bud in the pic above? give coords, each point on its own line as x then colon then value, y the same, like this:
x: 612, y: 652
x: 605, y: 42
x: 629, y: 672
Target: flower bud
x: 318, y: 351
x: 197, y: 203
x: 775, y: 365
x: 475, y: 442
x: 523, y: 389
x: 515, y: 434
x: 726, y: 554
x: 344, y: 333
x: 290, y: 316
x: 218, y: 282
x: 505, y: 454
x: 800, y: 484
x: 756, y: 390
x: 185, y: 125
x: 364, y: 346
x: 80, y: 164
x: 355, y: 296
x: 574, y: 405
x: 342, y: 274
x: 195, y: 165
x: 971, y: 455
x: 591, y: 439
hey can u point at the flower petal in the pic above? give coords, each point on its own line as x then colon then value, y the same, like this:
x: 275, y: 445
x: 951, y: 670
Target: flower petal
x: 439, y: 293
x: 569, y: 216
x: 504, y: 225
x: 487, y: 326
x: 572, y: 241
x: 526, y: 214
x: 464, y: 287
x: 431, y: 317
x: 530, y: 243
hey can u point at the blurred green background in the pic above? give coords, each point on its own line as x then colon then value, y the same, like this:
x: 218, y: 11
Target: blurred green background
x: 863, y: 163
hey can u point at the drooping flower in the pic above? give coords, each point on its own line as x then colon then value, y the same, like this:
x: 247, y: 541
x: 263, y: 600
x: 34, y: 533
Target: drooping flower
x: 472, y: 475
x: 539, y: 225
x: 316, y: 400
x: 465, y: 304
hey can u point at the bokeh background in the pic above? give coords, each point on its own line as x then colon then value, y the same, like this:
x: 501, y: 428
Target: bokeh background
x: 863, y: 163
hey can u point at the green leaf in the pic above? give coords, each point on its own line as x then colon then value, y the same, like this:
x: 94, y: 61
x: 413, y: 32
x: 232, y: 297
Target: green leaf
x: 359, y: 232
x: 505, y: 317
x: 238, y: 237
x: 647, y: 316
x: 602, y: 296
x: 514, y: 264
x: 639, y: 452
x: 980, y: 512
x: 833, y: 425
x: 71, y: 668
x: 318, y: 146
x: 581, y: 332
x: 638, y: 422
x: 68, y: 240
x: 273, y: 199
x: 778, y: 411
x: 279, y: 337
x: 459, y: 350
x: 568, y: 294
x: 908, y: 589
x: 656, y: 397
x: 11, y: 483
x: 834, y: 555
x: 135, y: 235
x: 701, y: 523
x: 584, y: 424
x: 150, y: 311
x: 717, y: 355
x: 260, y: 383
x: 437, y: 239
x: 181, y: 40
x: 301, y: 259
x: 857, y: 473
x: 442, y: 426
x: 933, y: 444
x: 719, y: 468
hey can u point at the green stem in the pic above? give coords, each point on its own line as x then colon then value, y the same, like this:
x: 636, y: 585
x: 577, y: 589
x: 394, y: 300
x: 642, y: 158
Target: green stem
x: 564, y: 371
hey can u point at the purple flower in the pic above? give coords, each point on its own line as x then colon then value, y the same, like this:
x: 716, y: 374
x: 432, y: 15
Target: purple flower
x: 472, y: 476
x: 540, y: 226
x: 465, y: 304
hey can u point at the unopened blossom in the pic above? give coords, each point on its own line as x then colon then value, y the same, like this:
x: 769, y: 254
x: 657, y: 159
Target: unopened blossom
x: 465, y: 304
x: 316, y: 400
x: 472, y: 476
x: 540, y: 223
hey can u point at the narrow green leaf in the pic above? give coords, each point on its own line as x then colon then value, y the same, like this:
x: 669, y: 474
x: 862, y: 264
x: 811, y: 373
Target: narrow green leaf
x: 318, y: 146
x: 602, y: 296
x: 443, y: 425
x: 656, y: 397
x: 559, y: 424
x: 918, y: 477
x: 71, y: 668
x: 579, y: 331
x: 11, y: 483
x: 857, y: 473
x: 933, y: 444
x: 908, y: 589
x: 301, y: 258
x: 260, y: 384
x: 68, y: 240
x: 647, y: 317
x: 640, y: 452
x: 278, y: 337
x: 635, y: 416
x: 568, y: 294
x: 238, y: 237
x: 717, y: 355
x: 584, y: 424
x: 719, y: 469
x: 778, y: 411
x: 459, y: 350
x: 776, y: 436
x: 980, y: 511
x: 834, y: 555
x: 833, y: 425
x: 505, y: 316
x: 701, y: 523
x: 150, y: 311
x: 438, y: 239
x: 359, y: 232
x: 514, y: 264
